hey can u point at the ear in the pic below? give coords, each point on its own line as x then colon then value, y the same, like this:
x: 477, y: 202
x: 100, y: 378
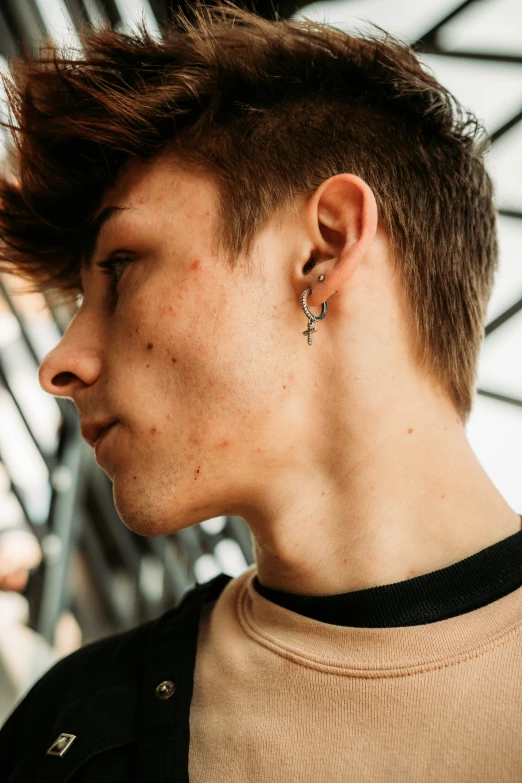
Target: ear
x: 341, y: 222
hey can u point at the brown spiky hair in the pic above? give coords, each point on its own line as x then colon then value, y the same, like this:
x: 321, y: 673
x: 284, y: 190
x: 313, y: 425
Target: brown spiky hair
x: 270, y: 109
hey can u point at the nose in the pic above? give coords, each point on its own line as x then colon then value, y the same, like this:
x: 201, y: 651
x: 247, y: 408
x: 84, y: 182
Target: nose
x: 74, y: 364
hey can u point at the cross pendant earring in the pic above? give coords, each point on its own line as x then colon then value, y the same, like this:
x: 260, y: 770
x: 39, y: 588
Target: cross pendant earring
x: 310, y: 316
x: 309, y: 331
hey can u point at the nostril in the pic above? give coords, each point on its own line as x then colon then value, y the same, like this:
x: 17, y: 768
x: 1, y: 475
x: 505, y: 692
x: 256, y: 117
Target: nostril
x: 63, y: 379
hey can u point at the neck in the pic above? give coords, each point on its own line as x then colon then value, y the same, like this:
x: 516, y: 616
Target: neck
x: 416, y: 501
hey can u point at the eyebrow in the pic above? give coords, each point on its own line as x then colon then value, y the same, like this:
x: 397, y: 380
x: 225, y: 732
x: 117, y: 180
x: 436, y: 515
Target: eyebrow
x: 92, y: 231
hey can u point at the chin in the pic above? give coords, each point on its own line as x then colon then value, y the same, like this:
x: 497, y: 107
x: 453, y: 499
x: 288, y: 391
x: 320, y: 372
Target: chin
x: 135, y: 510
x: 143, y: 510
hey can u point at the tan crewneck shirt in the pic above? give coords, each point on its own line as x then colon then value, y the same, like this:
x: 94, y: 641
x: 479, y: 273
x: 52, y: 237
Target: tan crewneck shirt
x: 279, y: 696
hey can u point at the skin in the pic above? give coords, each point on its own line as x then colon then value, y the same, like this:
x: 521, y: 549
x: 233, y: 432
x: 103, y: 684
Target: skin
x: 351, y: 468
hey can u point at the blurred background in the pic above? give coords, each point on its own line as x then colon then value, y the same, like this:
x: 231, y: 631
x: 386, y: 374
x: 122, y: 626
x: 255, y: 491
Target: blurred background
x: 70, y: 571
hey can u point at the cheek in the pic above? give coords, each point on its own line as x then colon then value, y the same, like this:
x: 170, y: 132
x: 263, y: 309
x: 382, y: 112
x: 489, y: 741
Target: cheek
x: 206, y: 346
x: 169, y: 336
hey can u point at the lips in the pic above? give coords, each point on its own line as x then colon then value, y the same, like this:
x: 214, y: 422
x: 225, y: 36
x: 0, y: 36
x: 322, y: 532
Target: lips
x: 101, y: 436
x: 94, y: 431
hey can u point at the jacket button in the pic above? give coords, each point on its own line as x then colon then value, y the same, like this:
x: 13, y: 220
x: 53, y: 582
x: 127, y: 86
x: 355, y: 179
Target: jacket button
x: 165, y: 690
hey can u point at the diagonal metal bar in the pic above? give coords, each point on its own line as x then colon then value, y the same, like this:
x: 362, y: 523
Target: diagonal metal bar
x: 96, y: 563
x: 430, y: 35
x: 514, y: 213
x: 21, y: 324
x: 98, y: 486
x: 163, y: 10
x: 503, y: 317
x: 40, y: 530
x: 25, y: 22
x: 500, y: 397
x: 8, y: 43
x: 495, y: 57
x: 65, y: 519
x: 77, y: 11
x: 428, y: 44
x: 507, y: 126
x: 50, y: 462
x: 111, y: 11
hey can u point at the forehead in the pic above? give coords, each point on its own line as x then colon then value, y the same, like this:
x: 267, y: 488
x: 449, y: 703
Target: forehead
x: 159, y: 185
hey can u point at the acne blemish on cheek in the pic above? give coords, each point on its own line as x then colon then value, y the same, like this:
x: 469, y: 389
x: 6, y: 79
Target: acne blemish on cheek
x: 225, y: 443
x: 173, y: 360
x: 410, y: 430
x: 196, y: 264
x: 150, y: 346
x: 196, y: 474
x: 154, y: 431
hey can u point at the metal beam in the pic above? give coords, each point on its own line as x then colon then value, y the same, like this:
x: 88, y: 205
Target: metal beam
x: 513, y: 213
x: 430, y: 36
x: 507, y: 126
x: 8, y: 43
x: 111, y: 11
x: 65, y: 519
x: 25, y: 22
x: 503, y: 317
x: 500, y: 397
x: 495, y: 57
x: 77, y: 12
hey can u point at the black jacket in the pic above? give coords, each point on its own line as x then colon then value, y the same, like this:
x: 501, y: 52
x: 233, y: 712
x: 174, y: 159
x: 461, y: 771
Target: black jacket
x: 126, y: 699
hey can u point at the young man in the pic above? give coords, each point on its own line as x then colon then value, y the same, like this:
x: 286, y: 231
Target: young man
x: 285, y: 242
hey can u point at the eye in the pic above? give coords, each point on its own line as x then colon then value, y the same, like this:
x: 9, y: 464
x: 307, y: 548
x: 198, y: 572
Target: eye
x: 114, y: 267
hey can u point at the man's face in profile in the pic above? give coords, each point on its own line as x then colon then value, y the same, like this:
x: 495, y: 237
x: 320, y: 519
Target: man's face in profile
x: 187, y: 356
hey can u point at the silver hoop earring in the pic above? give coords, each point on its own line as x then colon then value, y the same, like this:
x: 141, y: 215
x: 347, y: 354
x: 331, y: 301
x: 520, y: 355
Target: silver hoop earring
x: 311, y: 317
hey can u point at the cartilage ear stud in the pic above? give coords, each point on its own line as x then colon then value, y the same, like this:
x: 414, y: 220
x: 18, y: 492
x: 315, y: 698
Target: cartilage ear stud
x: 321, y: 278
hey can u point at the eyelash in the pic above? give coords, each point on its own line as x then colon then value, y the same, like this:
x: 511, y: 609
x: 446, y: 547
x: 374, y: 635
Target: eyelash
x: 109, y: 268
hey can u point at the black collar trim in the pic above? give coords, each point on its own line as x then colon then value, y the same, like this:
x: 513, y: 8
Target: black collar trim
x: 459, y: 588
